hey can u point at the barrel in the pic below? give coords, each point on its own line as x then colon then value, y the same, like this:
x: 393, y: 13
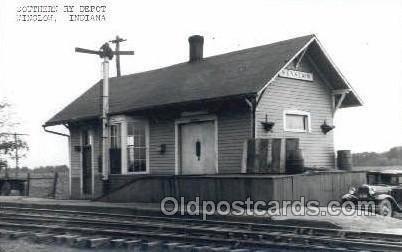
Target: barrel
x: 344, y: 160
x: 294, y: 161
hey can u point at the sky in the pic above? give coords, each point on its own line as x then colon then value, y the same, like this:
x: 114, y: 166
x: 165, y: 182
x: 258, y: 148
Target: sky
x: 40, y: 73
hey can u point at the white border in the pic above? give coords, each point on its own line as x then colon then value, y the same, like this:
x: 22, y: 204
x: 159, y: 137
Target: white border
x: 297, y: 112
x: 192, y: 119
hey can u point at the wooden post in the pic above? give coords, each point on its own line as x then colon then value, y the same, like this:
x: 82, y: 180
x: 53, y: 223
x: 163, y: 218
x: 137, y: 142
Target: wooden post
x: 255, y: 156
x: 105, y: 112
x: 283, y: 156
x: 276, y: 147
x: 56, y: 175
x: 106, y: 53
x: 28, y: 184
x: 244, y: 157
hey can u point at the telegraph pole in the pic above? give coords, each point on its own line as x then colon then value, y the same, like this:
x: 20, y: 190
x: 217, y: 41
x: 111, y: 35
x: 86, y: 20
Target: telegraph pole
x: 106, y: 53
x: 16, y: 154
x: 117, y: 41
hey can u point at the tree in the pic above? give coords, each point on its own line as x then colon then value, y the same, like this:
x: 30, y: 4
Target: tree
x: 9, y: 143
x: 388, y: 158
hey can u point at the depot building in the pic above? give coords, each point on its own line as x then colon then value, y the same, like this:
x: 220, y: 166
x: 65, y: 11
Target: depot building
x: 197, y: 118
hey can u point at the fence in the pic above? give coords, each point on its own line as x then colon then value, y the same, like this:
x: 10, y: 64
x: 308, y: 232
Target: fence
x: 43, y: 184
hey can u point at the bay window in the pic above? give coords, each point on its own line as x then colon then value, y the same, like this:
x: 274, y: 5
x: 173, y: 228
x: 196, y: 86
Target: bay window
x: 128, y: 145
x: 136, y: 147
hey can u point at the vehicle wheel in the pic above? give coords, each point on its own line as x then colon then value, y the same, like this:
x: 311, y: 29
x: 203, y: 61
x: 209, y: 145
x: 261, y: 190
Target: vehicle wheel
x: 385, y: 208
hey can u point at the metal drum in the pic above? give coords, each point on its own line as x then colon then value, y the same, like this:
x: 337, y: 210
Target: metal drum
x: 344, y: 160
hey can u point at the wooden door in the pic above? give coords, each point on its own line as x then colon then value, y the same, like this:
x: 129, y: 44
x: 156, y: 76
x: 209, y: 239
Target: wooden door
x: 276, y: 154
x: 197, y: 148
x: 292, y: 144
x: 86, y: 164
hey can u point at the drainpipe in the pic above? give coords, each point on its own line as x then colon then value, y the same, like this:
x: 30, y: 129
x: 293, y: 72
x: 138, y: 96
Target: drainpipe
x: 55, y: 132
x: 252, y: 106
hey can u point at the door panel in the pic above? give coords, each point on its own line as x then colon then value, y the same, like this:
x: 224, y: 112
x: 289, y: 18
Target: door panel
x: 276, y: 154
x: 115, y: 160
x: 197, y: 148
x: 291, y: 145
x: 86, y: 170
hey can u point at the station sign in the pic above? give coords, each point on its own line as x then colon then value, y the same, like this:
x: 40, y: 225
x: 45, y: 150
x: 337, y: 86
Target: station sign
x: 294, y: 74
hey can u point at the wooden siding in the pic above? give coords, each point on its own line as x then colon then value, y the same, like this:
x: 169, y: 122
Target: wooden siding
x: 162, y: 132
x: 75, y: 155
x: 75, y: 161
x: 234, y: 127
x: 313, y: 97
x: 97, y: 159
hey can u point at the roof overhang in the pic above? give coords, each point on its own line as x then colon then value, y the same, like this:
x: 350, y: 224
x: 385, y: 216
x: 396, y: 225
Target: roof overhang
x: 144, y: 109
x: 335, y: 80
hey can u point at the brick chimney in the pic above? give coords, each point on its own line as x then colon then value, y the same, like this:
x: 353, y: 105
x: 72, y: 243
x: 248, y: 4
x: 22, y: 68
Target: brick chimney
x: 196, y: 47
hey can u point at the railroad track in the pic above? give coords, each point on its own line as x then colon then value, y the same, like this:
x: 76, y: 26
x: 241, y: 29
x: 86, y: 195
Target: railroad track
x: 156, y: 233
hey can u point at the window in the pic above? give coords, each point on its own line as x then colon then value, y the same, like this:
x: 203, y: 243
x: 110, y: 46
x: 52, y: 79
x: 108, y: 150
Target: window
x: 136, y: 147
x: 128, y: 145
x: 115, y: 136
x: 115, y: 148
x: 296, y: 121
x: 372, y: 179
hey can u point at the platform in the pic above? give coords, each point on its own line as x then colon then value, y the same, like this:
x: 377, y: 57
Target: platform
x: 322, y: 186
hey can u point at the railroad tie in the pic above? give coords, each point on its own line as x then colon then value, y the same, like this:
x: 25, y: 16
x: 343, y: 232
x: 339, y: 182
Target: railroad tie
x: 132, y: 245
x: 302, y: 230
x: 239, y: 250
x: 202, y: 249
x: 99, y: 242
x: 81, y: 241
x: 342, y: 234
x: 184, y: 248
x: 18, y: 234
x: 71, y: 240
x: 42, y: 237
x: 171, y: 246
x: 117, y: 243
x: 220, y: 249
x: 153, y: 246
x: 275, y: 235
x: 60, y: 239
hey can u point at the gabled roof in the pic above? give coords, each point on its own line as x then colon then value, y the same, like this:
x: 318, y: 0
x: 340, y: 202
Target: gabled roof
x: 244, y: 72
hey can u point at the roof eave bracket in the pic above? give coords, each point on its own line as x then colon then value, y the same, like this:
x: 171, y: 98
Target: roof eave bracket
x: 341, y: 93
x: 300, y: 57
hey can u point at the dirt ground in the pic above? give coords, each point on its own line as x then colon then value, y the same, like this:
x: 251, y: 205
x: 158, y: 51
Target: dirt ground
x: 355, y: 221
x: 25, y: 245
